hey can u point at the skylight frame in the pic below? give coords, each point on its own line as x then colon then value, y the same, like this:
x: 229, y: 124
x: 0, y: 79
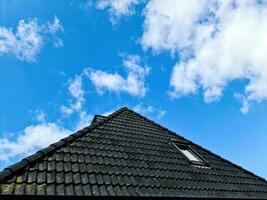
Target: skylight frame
x: 185, y: 146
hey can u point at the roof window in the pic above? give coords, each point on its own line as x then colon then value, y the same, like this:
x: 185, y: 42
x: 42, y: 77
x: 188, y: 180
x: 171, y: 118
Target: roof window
x: 192, y: 156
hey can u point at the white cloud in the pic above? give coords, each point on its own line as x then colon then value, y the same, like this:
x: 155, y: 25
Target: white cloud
x: 86, y: 5
x: 58, y: 43
x: 53, y: 27
x: 161, y: 113
x: 148, y: 110
x: 118, y: 8
x: 217, y: 42
x: 76, y: 104
x: 28, y: 39
x: 243, y: 100
x: 100, y: 79
x: 66, y: 110
x: 77, y: 93
x: 168, y: 24
x: 133, y: 84
x: 32, y: 138
x: 62, y: 73
x: 75, y: 88
x: 40, y: 115
x: 140, y: 108
x: 84, y: 120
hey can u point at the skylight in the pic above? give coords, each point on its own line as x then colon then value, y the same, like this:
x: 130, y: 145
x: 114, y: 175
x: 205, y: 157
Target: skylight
x: 189, y: 155
x: 192, y: 156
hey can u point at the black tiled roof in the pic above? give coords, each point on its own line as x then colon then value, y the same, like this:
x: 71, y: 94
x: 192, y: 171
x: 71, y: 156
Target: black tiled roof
x: 126, y: 154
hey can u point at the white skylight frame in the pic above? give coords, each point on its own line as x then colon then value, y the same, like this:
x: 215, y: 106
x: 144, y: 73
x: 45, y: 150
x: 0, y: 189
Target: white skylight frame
x: 192, y: 156
x: 189, y: 155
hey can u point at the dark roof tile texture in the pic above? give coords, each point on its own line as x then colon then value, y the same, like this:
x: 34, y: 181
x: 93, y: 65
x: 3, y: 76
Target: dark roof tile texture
x: 126, y: 154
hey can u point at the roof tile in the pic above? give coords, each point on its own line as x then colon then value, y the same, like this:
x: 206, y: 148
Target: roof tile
x: 51, y: 177
x: 84, y: 178
x: 87, y: 190
x: 59, y: 166
x: 60, y: 189
x: 76, y: 178
x: 92, y: 179
x: 21, y: 178
x: 51, y: 166
x: 73, y: 158
x: 69, y: 189
x: 78, y: 190
x: 41, y: 177
x: 40, y: 189
x: 68, y: 178
x: 95, y: 190
x: 103, y: 190
x: 124, y: 190
x: 66, y: 157
x: 59, y: 177
x: 75, y: 167
x: 19, y: 188
x: 50, y: 189
x: 30, y: 189
x: 7, y: 188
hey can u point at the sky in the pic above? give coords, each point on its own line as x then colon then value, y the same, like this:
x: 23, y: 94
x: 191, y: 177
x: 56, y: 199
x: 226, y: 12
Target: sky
x: 197, y: 67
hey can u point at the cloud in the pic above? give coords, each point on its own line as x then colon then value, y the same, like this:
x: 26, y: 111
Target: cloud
x: 86, y: 5
x: 58, y: 43
x: 133, y: 84
x: 27, y: 41
x: 76, y: 103
x: 53, y: 27
x: 84, y: 120
x: 161, y: 113
x: 148, y: 110
x: 243, y: 100
x: 140, y: 108
x: 75, y: 88
x: 216, y: 42
x: 40, y: 115
x: 168, y: 24
x: 66, y: 110
x: 118, y: 8
x: 32, y: 138
x: 77, y: 93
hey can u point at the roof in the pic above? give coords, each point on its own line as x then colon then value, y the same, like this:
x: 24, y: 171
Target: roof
x: 98, y: 118
x: 126, y: 154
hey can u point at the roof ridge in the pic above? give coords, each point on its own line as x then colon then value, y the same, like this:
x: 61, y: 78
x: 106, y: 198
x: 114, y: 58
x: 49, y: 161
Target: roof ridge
x: 43, y: 152
x: 172, y: 132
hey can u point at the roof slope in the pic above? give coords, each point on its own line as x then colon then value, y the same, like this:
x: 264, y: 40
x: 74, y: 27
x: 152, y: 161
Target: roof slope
x: 126, y: 154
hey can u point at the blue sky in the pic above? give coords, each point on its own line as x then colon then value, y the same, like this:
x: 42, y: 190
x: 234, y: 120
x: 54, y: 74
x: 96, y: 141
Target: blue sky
x: 196, y: 67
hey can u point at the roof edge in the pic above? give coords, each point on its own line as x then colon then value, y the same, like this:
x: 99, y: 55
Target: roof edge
x: 97, y: 118
x: 8, y: 171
